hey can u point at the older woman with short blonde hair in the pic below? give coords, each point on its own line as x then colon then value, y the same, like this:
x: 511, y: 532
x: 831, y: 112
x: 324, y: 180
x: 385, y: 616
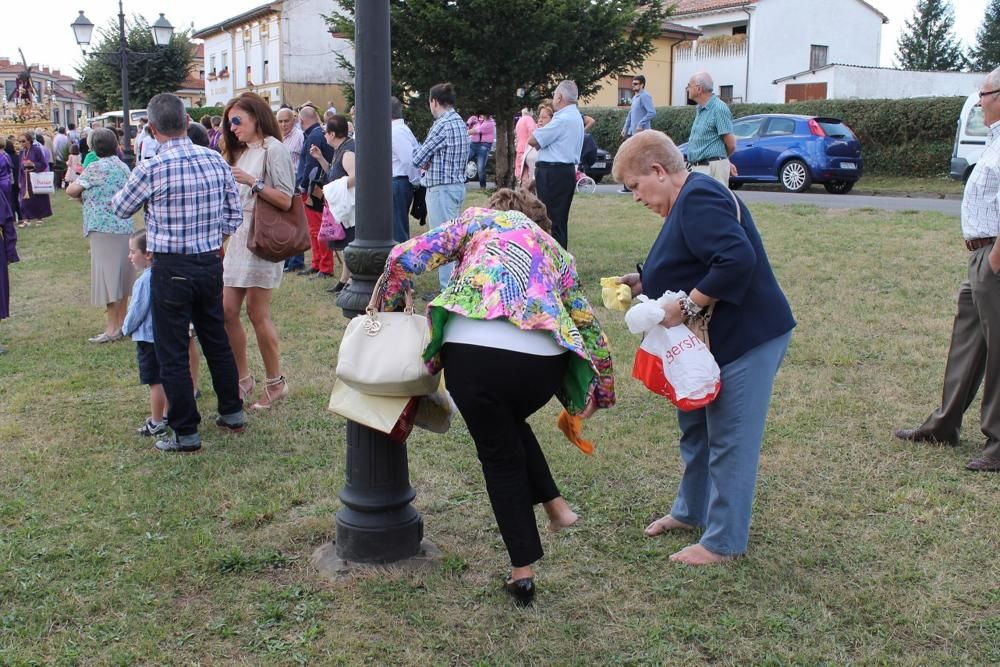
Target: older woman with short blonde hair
x: 709, y: 248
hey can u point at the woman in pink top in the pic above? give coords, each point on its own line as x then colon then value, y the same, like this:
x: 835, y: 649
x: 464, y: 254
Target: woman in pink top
x: 482, y: 134
x: 525, y: 126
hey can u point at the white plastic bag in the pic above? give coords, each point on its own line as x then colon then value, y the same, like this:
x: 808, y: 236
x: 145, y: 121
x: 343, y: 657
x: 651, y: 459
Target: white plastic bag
x: 672, y: 362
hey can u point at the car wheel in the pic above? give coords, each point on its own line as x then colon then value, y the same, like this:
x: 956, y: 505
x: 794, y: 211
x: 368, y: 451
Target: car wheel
x: 597, y: 179
x: 471, y: 170
x: 735, y: 185
x: 794, y: 176
x: 839, y: 187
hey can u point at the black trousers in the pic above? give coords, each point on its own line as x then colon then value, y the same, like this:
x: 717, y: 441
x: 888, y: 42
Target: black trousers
x: 555, y: 183
x: 496, y: 391
x: 188, y: 289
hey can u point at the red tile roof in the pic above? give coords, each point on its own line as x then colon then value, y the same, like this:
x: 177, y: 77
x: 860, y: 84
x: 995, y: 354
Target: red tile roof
x: 696, y: 6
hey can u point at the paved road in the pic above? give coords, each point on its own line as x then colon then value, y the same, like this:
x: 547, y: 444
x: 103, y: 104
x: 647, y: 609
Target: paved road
x: 825, y: 200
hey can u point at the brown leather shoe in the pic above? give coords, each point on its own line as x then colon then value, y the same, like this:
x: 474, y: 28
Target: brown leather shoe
x: 916, y: 435
x: 983, y: 464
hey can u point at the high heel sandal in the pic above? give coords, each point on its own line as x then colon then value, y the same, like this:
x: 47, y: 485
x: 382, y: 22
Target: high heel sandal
x: 270, y: 396
x: 244, y: 390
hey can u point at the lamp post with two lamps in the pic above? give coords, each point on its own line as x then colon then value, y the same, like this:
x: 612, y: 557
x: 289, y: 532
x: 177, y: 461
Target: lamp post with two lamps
x: 162, y: 31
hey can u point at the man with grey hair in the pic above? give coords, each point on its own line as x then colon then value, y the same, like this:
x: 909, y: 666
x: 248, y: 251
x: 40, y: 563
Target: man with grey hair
x: 404, y: 175
x: 190, y: 205
x: 308, y: 173
x: 974, y: 352
x: 559, y: 145
x: 712, y: 140
x: 293, y: 139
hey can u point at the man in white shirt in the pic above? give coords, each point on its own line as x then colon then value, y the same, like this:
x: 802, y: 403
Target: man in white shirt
x: 149, y: 145
x: 977, y: 322
x: 404, y: 175
x: 293, y: 138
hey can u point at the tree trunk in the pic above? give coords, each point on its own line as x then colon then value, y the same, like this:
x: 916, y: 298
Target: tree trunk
x: 505, y: 150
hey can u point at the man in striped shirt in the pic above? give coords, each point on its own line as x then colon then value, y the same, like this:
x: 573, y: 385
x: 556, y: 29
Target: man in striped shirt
x: 977, y: 322
x: 444, y: 155
x: 191, y: 204
x: 712, y: 140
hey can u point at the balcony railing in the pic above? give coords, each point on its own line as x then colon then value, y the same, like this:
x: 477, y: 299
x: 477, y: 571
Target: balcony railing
x: 708, y: 48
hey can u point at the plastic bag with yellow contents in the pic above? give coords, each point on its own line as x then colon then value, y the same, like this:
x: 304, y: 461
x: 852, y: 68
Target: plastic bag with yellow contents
x: 615, y: 295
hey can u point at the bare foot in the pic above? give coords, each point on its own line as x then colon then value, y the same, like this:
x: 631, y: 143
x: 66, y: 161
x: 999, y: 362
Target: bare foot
x: 664, y: 524
x: 560, y: 514
x: 695, y: 555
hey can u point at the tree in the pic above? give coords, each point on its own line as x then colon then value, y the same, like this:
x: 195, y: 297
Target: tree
x: 157, y: 70
x: 517, y: 56
x: 985, y: 55
x: 929, y: 42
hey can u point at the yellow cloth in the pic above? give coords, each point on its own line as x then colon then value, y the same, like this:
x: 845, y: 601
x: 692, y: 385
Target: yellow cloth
x: 616, y: 296
x: 572, y: 428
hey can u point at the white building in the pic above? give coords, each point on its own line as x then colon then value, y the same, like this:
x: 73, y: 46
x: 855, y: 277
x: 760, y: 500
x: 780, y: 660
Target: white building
x: 282, y: 50
x: 837, y: 81
x: 746, y: 45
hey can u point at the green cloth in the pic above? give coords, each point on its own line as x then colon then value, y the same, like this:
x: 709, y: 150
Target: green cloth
x: 90, y: 157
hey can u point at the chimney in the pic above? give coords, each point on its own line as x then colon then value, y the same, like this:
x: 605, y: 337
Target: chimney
x: 55, y: 72
x: 4, y: 61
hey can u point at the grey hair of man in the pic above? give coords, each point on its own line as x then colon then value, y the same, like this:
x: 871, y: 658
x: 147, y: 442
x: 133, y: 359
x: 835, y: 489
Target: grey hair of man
x: 568, y: 90
x: 167, y: 114
x: 992, y: 81
x: 395, y: 108
x: 704, y: 80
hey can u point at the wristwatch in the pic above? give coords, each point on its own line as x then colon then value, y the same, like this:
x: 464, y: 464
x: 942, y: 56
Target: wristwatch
x: 258, y: 186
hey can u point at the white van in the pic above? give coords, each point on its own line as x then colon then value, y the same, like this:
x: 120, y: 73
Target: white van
x: 970, y: 139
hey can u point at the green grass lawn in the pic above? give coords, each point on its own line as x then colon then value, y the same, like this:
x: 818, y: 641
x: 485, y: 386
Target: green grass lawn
x: 863, y: 549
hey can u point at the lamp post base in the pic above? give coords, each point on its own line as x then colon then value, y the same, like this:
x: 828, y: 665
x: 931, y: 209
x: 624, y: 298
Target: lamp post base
x: 326, y: 561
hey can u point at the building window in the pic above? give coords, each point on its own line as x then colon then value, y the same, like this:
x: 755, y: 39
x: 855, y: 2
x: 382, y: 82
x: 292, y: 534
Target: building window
x: 8, y: 88
x: 740, y: 29
x: 624, y: 91
x: 211, y: 64
x: 225, y: 60
x: 818, y: 56
x: 726, y: 94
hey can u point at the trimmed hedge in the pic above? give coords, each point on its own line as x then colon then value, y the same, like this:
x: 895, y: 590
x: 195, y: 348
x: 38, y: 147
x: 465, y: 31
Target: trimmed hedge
x: 196, y: 113
x: 912, y: 137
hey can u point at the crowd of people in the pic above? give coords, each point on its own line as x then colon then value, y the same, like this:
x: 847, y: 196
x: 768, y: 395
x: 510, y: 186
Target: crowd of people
x: 511, y: 325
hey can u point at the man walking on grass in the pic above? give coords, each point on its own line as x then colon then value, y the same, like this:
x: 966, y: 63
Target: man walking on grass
x: 974, y: 353
x: 640, y: 115
x: 191, y: 204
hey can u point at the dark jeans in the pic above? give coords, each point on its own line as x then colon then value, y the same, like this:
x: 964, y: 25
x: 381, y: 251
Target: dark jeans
x: 188, y: 288
x: 480, y: 150
x: 555, y: 183
x: 402, y: 197
x: 296, y: 262
x: 496, y: 391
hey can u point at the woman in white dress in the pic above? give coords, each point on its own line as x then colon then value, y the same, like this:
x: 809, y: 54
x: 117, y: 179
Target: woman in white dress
x: 251, y: 138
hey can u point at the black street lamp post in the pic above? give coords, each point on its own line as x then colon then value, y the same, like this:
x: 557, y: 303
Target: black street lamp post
x: 377, y: 523
x: 162, y: 34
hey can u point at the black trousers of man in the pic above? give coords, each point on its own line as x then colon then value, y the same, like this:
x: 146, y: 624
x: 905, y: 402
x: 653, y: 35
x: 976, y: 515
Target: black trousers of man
x: 555, y: 183
x: 188, y: 289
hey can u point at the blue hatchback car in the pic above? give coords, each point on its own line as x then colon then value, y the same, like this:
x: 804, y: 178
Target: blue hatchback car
x: 795, y: 151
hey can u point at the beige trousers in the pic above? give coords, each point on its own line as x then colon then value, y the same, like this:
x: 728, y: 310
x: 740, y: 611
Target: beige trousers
x: 719, y: 170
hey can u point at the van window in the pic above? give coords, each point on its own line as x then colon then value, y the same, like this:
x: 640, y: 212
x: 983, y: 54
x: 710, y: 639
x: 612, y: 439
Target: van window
x: 975, y: 126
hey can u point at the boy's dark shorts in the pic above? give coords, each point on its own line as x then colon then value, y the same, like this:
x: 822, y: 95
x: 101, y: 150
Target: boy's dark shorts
x: 149, y: 366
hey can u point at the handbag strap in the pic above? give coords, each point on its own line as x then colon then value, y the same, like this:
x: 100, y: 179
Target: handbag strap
x: 377, y: 301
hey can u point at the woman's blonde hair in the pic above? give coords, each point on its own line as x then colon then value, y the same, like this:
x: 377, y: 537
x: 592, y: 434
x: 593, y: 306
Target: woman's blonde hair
x: 506, y: 199
x: 639, y: 153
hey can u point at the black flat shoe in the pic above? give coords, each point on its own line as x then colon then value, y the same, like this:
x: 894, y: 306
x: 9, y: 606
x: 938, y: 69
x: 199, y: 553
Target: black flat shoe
x: 522, y: 591
x: 336, y: 288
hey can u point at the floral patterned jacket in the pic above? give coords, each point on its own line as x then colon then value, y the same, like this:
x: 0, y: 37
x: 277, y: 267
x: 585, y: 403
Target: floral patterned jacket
x: 507, y: 267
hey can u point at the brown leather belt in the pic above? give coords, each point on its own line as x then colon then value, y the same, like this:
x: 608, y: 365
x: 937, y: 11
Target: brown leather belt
x: 976, y: 244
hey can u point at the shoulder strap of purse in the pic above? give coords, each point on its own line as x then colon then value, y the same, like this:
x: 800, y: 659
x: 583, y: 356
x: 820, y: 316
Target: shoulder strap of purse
x: 263, y: 173
x: 739, y: 209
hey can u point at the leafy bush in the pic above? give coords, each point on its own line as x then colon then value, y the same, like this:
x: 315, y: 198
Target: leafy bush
x: 911, y: 137
x: 196, y: 113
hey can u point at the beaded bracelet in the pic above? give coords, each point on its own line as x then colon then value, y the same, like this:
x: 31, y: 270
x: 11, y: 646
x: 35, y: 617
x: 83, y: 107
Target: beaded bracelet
x: 690, y: 309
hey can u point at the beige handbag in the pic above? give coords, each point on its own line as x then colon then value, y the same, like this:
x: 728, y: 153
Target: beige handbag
x: 381, y: 354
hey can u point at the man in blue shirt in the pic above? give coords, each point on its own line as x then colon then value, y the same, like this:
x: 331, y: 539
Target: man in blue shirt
x: 559, y: 144
x: 712, y: 140
x: 640, y: 116
x: 444, y: 154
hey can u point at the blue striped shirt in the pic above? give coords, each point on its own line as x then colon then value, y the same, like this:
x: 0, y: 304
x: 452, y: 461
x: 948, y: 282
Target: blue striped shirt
x: 446, y: 148
x: 189, y: 195
x: 139, y: 317
x: 711, y: 122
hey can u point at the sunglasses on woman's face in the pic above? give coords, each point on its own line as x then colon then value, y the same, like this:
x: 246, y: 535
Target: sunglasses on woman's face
x: 236, y: 120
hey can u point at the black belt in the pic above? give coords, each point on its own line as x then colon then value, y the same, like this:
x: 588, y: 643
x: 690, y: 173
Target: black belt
x: 395, y: 177
x: 554, y: 164
x: 976, y: 244
x: 703, y: 163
